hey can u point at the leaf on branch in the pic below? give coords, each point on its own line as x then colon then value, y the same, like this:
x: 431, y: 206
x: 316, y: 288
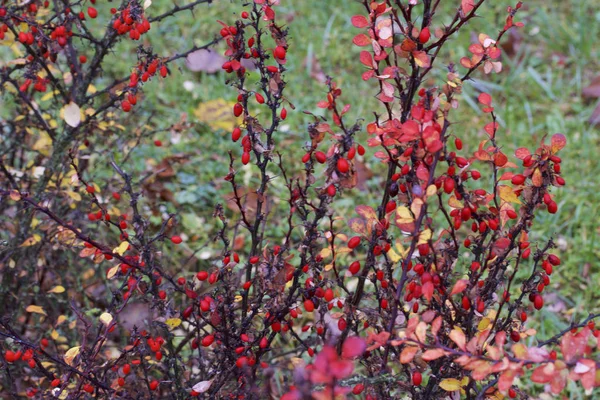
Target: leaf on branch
x: 458, y: 337
x: 173, y: 323
x: 459, y: 286
x: 557, y: 142
x: 71, y: 354
x: 433, y: 354
x: 106, y: 318
x: 121, y: 249
x: 407, y: 354
x: 467, y: 6
x: 202, y: 387
x: 71, y: 113
x: 359, y: 21
x: 31, y: 240
x: 507, y: 194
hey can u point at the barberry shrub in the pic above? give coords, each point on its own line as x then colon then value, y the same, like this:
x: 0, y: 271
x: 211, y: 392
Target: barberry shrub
x: 426, y: 293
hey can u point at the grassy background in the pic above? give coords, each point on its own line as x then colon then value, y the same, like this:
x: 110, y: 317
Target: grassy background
x: 555, y: 56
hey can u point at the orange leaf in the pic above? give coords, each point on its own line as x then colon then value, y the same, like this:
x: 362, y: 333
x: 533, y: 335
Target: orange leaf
x: 459, y: 338
x: 408, y: 353
x: 433, y: 354
x: 558, y: 142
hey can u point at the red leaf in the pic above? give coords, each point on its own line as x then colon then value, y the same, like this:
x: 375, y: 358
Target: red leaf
x: 459, y: 286
x: 491, y: 129
x: 428, y: 290
x: 353, y: 347
x: 467, y: 6
x: 522, y: 152
x: 366, y: 58
x: 361, y: 40
x: 359, y: 21
x: 410, y: 130
x: 485, y: 99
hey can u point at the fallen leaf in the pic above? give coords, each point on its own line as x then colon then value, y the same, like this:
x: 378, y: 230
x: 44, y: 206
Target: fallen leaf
x: 36, y: 310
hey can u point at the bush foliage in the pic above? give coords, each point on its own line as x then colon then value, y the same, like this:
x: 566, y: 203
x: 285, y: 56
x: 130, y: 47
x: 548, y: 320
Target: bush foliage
x: 426, y: 293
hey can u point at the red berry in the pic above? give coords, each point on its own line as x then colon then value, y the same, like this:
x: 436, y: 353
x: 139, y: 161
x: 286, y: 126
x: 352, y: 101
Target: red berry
x: 236, y: 134
x: 176, y: 239
x: 458, y: 143
x: 354, y: 267
x: 153, y: 385
x: 259, y: 98
x: 279, y: 52
x: 92, y: 12
x: 417, y: 378
x: 126, y: 106
x: 342, y: 165
x: 358, y: 389
x: 554, y: 260
x: 515, y: 336
x: 202, y: 275
x: 518, y: 180
x: 245, y: 157
x: 90, y: 189
x: 238, y: 109
x: 283, y: 114
x: 538, y: 302
x: 208, y: 340
x: 320, y: 157
x: 354, y: 242
x: 309, y: 306
x: 424, y: 35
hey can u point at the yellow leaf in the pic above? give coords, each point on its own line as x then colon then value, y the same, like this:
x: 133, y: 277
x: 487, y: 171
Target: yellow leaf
x: 49, y: 95
x: 217, y: 114
x: 325, y: 252
x: 60, y: 319
x: 507, y: 194
x: 43, y: 144
x: 71, y: 113
x: 121, y: 249
x: 173, y: 322
x: 31, y: 241
x: 450, y: 384
x: 483, y: 324
x: 71, y: 354
x: 36, y: 310
x: 403, y: 215
x: 424, y: 236
x: 74, y: 195
x: 431, y: 190
x: 57, y: 289
x: 112, y: 272
x: 106, y: 318
x: 239, y: 298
